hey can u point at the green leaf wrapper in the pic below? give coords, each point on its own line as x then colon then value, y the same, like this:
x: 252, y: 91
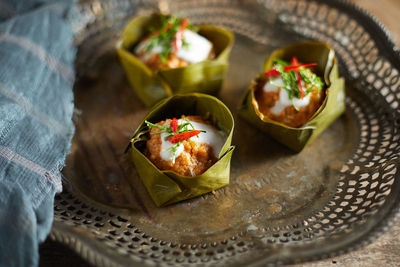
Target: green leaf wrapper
x: 332, y: 107
x: 204, y: 77
x: 167, y: 187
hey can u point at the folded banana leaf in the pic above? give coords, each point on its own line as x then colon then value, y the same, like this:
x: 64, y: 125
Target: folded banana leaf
x: 204, y: 77
x: 167, y: 187
x: 332, y: 107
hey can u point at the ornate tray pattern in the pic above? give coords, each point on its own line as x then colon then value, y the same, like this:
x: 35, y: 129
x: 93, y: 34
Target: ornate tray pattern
x: 281, y: 207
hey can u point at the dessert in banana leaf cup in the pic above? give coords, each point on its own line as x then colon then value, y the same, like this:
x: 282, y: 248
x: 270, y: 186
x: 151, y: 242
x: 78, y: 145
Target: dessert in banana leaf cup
x: 179, y: 159
x: 298, y: 96
x: 165, y: 55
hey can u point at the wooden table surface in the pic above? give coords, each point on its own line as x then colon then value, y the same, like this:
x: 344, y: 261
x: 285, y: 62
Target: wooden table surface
x: 385, y: 251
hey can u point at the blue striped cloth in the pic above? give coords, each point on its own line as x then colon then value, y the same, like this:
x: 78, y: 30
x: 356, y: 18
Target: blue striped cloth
x: 36, y: 107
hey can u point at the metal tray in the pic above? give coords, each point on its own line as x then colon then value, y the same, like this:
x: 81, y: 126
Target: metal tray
x: 281, y: 207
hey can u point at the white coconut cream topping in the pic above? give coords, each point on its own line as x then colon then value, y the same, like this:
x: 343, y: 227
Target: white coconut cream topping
x: 141, y: 50
x: 212, y: 137
x: 198, y: 47
x: 197, y: 50
x: 284, y: 100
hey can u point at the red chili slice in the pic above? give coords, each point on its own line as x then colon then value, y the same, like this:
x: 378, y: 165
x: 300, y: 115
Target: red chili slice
x: 299, y: 82
x: 174, y: 125
x: 289, y: 68
x: 295, y: 64
x: 168, y: 27
x: 179, y: 35
x: 182, y: 136
x: 272, y: 73
x: 166, y: 30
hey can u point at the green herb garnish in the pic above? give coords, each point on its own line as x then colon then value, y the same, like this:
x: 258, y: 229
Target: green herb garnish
x: 292, y: 75
x: 173, y: 129
x: 170, y: 36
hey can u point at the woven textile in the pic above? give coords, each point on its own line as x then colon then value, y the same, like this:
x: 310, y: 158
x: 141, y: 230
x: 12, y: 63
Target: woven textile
x: 36, y: 107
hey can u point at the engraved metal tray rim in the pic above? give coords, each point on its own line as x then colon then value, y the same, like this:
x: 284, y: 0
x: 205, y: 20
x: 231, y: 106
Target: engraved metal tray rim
x: 390, y: 212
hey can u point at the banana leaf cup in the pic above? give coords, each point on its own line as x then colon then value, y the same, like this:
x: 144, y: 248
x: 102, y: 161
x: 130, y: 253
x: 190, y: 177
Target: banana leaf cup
x: 167, y: 187
x: 332, y: 107
x: 205, y: 77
